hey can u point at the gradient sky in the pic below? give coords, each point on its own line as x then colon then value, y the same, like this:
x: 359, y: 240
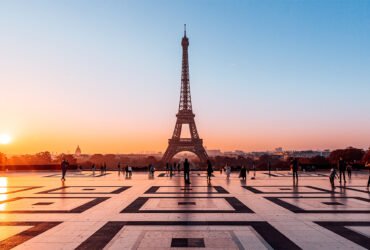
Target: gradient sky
x: 106, y: 74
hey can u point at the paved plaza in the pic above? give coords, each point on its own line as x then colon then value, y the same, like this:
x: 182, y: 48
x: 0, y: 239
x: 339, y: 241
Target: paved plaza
x: 109, y: 211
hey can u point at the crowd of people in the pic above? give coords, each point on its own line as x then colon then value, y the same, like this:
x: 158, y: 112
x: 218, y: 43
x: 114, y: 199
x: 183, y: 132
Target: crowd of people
x: 170, y: 169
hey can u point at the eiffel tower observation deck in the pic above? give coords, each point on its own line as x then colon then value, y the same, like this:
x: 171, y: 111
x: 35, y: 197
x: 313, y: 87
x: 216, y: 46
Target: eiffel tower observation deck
x: 185, y: 116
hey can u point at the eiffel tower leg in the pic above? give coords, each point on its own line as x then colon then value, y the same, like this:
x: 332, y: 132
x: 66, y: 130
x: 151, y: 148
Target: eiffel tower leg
x: 170, y: 152
x: 201, y: 153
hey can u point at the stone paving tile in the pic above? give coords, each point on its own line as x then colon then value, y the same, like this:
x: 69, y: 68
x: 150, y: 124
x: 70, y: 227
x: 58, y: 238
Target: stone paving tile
x: 326, y: 228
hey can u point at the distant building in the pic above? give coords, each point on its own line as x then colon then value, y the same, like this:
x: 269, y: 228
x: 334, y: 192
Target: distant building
x: 325, y: 153
x: 240, y: 152
x: 214, y: 152
x: 309, y: 153
x: 279, y: 150
x: 78, y: 151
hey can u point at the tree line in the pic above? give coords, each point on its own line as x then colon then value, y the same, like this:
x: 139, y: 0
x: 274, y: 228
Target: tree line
x: 357, y: 157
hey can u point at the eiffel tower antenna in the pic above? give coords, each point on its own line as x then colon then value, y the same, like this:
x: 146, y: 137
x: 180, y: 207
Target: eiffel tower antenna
x: 185, y: 115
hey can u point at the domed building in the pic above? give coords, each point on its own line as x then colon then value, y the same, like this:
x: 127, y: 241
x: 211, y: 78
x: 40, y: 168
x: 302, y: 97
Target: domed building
x: 78, y: 151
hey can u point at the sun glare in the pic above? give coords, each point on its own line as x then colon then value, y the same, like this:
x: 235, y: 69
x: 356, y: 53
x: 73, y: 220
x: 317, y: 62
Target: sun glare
x: 5, y: 139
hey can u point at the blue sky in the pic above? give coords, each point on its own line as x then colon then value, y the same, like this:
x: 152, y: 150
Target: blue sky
x: 263, y: 73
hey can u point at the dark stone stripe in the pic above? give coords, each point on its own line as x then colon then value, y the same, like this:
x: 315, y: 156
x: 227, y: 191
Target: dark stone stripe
x: 340, y: 229
x: 353, y: 188
x: 252, y: 189
x: 221, y: 190
x: 74, y: 176
x: 101, y: 237
x: 295, y: 209
x: 105, y: 234
x: 257, y: 191
x: 89, y: 205
x: 119, y: 189
x: 322, y: 189
x: 135, y: 206
x: 23, y: 188
x: 152, y: 190
x: 238, y: 205
x: 15, y: 240
x: 80, y: 209
x: 273, y: 237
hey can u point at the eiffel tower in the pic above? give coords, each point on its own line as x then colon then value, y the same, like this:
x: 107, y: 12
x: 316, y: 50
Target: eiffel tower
x: 186, y: 116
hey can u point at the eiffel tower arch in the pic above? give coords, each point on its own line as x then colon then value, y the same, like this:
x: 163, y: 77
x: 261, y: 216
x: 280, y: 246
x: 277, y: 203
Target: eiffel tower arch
x: 185, y: 116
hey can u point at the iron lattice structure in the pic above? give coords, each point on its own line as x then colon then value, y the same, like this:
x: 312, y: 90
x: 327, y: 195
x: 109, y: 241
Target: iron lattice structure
x: 186, y: 116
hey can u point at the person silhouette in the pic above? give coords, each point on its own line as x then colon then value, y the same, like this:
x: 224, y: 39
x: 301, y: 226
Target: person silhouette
x: 254, y: 170
x: 151, y: 170
x: 227, y: 171
x: 269, y: 167
x: 119, y: 168
x: 186, y: 171
x: 342, y: 170
x: 243, y: 173
x: 126, y: 171
x: 129, y: 171
x: 105, y: 168
x: 349, y: 170
x: 367, y: 164
x: 209, y: 170
x: 295, y: 169
x: 171, y: 168
x: 64, y: 166
x: 332, y: 176
x: 167, y: 168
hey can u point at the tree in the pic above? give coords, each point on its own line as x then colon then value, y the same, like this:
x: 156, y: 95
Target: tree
x: 42, y: 158
x: 2, y: 158
x: 366, y: 158
x: 68, y: 157
x: 348, y: 154
x: 97, y: 158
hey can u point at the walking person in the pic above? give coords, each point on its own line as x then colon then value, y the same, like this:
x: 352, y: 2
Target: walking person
x: 227, y: 171
x: 126, y: 171
x: 167, y: 169
x: 186, y: 171
x: 221, y: 170
x: 119, y: 169
x: 64, y: 166
x: 349, y: 170
x: 243, y: 173
x: 342, y: 170
x: 333, y: 174
x: 151, y: 170
x: 269, y: 167
x: 129, y: 171
x: 171, y: 169
x: 295, y: 170
x: 368, y: 166
x: 209, y: 171
x: 254, y: 170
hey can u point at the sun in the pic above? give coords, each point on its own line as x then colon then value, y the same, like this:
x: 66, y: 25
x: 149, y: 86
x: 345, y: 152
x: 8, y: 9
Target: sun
x: 5, y: 139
